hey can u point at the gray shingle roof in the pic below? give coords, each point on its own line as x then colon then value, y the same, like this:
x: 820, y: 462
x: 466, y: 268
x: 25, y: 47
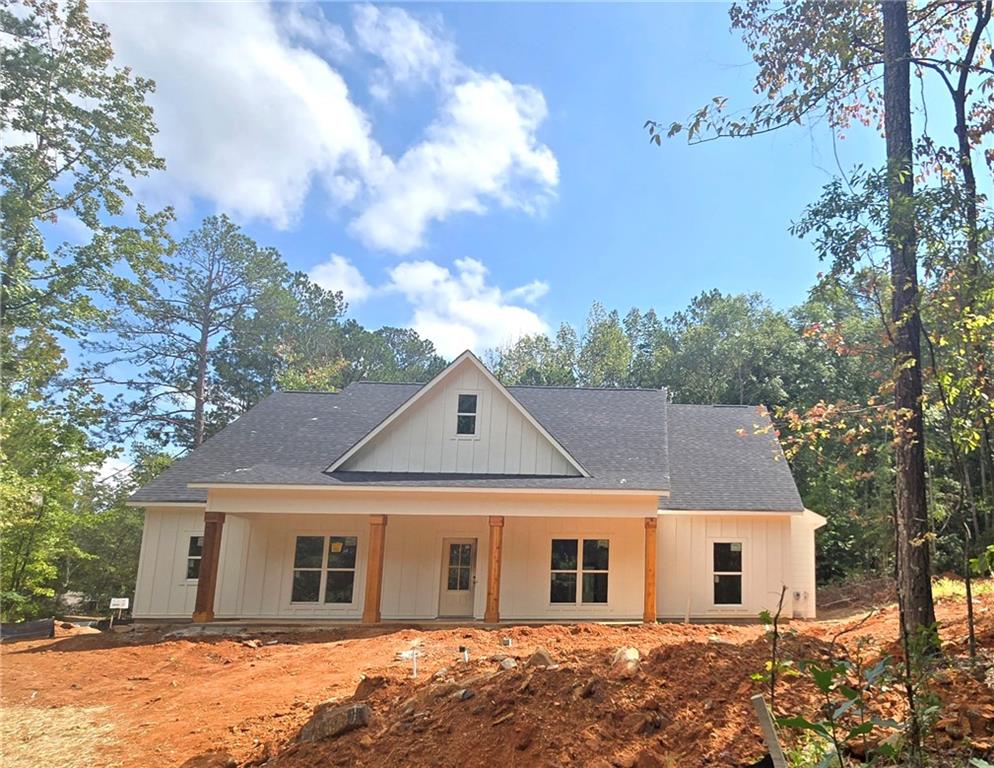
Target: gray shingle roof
x: 618, y: 435
x: 727, y: 458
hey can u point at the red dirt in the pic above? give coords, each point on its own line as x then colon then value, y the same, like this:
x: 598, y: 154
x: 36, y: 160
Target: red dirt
x: 173, y: 699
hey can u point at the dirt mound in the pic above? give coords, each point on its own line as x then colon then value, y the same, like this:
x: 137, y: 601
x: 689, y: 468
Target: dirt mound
x: 682, y: 700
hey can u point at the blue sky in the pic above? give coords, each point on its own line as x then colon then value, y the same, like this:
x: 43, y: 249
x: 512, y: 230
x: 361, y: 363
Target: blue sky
x: 478, y: 171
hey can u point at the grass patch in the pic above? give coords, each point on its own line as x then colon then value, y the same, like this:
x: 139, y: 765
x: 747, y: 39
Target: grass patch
x: 68, y: 737
x: 956, y: 588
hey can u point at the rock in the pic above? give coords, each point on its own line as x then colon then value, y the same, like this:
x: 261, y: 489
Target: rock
x: 463, y: 694
x: 625, y: 663
x: 366, y: 687
x: 66, y: 625
x: 330, y: 720
x: 586, y: 690
x: 524, y: 739
x: 211, y: 760
x: 651, y: 723
x: 541, y: 658
x: 444, y: 689
x: 252, y: 643
x: 980, y: 720
x: 123, y: 628
x: 508, y: 663
x: 408, y: 707
x: 649, y: 759
x: 442, y: 673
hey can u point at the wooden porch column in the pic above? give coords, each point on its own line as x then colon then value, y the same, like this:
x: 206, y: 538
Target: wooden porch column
x: 492, y: 613
x: 649, y: 609
x: 374, y: 569
x: 203, y: 609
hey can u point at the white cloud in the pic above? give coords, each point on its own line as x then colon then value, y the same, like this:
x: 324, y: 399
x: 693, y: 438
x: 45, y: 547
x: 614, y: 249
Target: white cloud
x: 307, y: 23
x: 252, y: 115
x: 482, y: 147
x: 462, y: 310
x: 411, y: 52
x: 246, y: 118
x: 339, y: 274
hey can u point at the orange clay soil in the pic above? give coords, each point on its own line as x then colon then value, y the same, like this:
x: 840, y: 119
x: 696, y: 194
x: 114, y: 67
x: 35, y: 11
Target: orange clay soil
x: 161, y: 701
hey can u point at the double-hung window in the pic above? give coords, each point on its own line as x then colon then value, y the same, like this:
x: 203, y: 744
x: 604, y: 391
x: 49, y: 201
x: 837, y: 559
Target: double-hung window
x: 579, y: 571
x: 194, y: 553
x: 324, y: 569
x: 466, y: 415
x: 727, y: 572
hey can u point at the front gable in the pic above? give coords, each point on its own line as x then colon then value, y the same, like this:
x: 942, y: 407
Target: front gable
x: 486, y: 431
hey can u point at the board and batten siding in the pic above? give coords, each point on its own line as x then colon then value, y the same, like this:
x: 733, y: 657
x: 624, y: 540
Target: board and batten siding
x: 255, y: 571
x: 423, y: 438
x: 684, y: 575
x: 527, y: 567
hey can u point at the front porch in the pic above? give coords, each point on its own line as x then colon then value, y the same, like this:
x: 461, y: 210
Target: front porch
x: 428, y: 568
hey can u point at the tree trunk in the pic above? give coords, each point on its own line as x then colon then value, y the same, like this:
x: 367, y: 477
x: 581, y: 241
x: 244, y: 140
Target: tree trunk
x: 914, y: 572
x: 200, y: 386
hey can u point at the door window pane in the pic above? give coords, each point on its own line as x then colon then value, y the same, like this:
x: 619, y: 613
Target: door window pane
x: 563, y: 588
x: 460, y: 567
x: 338, y: 588
x: 564, y: 554
x: 595, y: 587
x: 308, y: 551
x: 306, y: 586
x: 595, y: 554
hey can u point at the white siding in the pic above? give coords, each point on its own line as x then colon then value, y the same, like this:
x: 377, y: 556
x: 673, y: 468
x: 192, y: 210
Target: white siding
x: 526, y: 567
x: 412, y: 569
x: 162, y: 588
x: 423, y: 439
x: 802, y: 545
x: 255, y: 572
x: 685, y: 581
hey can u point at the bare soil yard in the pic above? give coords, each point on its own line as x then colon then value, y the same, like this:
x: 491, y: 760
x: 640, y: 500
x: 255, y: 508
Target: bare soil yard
x: 146, y: 699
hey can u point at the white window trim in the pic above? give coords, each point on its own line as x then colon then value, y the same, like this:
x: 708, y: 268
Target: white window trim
x: 319, y: 604
x: 479, y: 413
x: 741, y: 574
x: 578, y: 603
x: 187, y: 535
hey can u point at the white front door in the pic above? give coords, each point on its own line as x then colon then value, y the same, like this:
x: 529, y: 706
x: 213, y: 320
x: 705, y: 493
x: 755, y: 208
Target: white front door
x: 458, y: 577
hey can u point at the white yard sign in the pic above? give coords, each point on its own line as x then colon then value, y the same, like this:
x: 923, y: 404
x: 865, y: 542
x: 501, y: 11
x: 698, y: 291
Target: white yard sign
x: 120, y: 603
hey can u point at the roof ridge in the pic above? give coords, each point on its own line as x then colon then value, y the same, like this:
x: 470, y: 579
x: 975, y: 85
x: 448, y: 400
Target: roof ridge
x: 750, y: 406
x: 586, y: 389
x: 396, y: 383
x: 307, y: 392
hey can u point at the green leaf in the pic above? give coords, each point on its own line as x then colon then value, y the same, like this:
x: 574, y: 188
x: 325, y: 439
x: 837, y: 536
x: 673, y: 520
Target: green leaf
x: 800, y: 723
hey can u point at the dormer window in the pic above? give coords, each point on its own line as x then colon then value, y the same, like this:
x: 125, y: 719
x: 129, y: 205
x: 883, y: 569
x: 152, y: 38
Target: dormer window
x: 466, y: 415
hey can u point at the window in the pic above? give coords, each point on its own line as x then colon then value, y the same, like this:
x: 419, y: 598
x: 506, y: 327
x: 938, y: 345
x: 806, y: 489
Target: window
x: 466, y: 415
x: 324, y: 569
x: 579, y: 562
x: 460, y: 567
x: 728, y: 573
x: 193, y: 555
